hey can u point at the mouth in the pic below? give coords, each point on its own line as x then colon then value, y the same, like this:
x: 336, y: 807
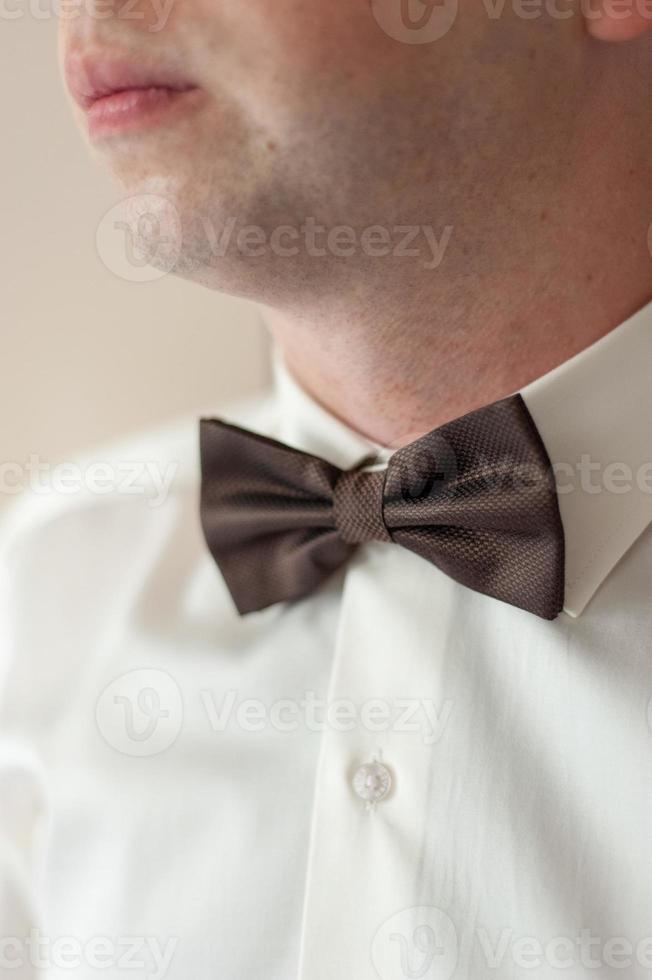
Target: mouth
x: 119, y: 97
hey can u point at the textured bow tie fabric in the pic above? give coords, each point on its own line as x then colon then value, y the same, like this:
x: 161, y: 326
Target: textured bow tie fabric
x: 475, y: 497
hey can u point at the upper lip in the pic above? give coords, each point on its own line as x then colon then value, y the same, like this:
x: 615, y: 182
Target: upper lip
x: 91, y: 78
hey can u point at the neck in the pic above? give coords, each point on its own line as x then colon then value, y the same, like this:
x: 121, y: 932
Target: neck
x: 405, y: 351
x: 394, y: 383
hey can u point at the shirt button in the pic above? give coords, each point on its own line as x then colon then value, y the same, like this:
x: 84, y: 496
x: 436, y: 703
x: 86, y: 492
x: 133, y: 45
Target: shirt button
x: 372, y: 782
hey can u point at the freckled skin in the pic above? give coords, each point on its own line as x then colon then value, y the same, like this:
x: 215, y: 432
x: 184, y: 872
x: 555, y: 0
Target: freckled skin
x: 508, y: 131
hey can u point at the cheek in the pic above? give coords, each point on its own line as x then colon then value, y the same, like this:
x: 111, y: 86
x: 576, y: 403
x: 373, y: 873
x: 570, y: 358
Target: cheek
x: 311, y: 37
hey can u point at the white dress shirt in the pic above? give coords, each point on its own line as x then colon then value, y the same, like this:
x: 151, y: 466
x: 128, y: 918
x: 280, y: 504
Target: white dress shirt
x: 178, y: 790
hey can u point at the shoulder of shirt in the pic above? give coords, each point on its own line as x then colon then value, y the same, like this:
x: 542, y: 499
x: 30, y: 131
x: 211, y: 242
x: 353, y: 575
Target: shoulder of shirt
x: 161, y: 461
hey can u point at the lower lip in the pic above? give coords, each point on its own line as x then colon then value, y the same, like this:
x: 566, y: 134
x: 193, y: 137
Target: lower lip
x: 135, y: 109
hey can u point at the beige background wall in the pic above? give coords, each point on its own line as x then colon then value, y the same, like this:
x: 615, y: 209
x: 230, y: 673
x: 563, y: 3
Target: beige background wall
x: 84, y: 355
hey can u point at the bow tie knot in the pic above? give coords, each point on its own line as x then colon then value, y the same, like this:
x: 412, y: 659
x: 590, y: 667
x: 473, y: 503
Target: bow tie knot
x: 358, y: 506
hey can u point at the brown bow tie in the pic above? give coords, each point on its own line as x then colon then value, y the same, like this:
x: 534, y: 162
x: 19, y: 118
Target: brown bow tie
x: 475, y: 497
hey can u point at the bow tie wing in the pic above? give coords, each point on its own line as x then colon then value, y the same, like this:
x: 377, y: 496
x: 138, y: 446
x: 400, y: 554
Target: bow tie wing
x: 267, y: 515
x: 477, y: 498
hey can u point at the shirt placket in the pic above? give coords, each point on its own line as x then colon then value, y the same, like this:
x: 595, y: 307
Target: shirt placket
x: 374, y: 775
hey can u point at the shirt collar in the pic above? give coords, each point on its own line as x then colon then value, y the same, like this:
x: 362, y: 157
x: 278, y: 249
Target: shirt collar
x: 594, y: 414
